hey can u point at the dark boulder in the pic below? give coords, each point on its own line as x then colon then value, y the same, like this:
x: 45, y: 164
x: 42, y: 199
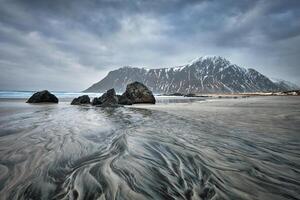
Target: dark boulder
x: 43, y: 97
x: 84, y: 99
x: 96, y: 101
x: 138, y: 93
x: 108, y: 99
x: 123, y: 100
x: 175, y: 94
x: 190, y: 95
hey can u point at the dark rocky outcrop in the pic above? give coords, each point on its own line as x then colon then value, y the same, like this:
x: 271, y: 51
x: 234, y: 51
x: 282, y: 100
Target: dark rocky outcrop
x: 96, y: 101
x: 190, y: 95
x: 135, y: 93
x: 123, y: 100
x: 175, y: 94
x: 138, y: 93
x: 43, y: 97
x: 108, y: 99
x: 84, y: 99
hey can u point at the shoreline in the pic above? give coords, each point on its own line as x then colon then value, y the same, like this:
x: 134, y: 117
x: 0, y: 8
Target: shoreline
x: 215, y: 137
x: 196, y: 98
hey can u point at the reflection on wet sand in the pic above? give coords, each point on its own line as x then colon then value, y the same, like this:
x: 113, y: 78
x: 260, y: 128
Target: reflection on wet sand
x: 83, y: 152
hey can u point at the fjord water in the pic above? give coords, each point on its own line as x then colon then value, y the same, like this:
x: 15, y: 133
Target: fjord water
x: 215, y: 149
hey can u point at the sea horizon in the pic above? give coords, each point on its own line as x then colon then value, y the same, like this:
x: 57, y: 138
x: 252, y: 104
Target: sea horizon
x: 60, y: 94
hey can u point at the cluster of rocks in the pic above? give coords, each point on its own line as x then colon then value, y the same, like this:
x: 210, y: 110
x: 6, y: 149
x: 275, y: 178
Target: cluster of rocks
x: 135, y: 93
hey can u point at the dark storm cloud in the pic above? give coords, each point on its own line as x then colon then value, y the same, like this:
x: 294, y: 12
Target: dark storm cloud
x: 67, y: 45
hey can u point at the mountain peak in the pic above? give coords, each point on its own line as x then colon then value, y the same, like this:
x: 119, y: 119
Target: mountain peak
x: 206, y: 74
x: 209, y: 58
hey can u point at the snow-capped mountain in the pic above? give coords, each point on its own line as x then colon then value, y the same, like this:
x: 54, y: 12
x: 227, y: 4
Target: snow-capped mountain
x: 203, y: 75
x: 286, y: 85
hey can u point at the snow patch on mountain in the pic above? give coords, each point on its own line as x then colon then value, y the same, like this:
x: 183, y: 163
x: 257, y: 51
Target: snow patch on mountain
x: 207, y: 74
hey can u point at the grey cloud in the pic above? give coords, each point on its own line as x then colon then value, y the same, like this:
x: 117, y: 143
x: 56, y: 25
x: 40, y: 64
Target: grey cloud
x: 67, y: 39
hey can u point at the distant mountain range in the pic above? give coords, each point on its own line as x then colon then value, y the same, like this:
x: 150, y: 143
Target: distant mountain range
x: 285, y: 84
x: 203, y: 75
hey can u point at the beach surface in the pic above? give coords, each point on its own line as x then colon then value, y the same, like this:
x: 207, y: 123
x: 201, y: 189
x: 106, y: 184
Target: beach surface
x: 180, y: 148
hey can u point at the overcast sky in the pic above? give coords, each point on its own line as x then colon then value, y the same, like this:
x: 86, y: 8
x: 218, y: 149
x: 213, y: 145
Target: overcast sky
x: 68, y: 45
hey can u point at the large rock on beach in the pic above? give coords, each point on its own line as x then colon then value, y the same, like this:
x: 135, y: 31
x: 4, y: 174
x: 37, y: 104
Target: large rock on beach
x: 108, y: 99
x: 96, y: 101
x: 43, y: 97
x: 123, y: 100
x: 138, y: 93
x: 190, y: 95
x: 84, y: 99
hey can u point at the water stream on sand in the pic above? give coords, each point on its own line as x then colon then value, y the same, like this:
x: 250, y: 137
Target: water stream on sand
x: 249, y: 149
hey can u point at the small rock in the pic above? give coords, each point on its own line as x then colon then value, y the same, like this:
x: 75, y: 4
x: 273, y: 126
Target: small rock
x: 42, y: 97
x: 138, y: 93
x: 84, y: 99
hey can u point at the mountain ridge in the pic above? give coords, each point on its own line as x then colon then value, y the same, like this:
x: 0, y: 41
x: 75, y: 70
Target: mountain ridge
x: 207, y: 74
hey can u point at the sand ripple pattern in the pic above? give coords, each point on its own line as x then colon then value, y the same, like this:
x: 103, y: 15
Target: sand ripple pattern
x: 71, y: 152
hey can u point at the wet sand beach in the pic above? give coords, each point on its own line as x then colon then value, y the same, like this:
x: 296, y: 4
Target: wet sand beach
x: 245, y: 148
